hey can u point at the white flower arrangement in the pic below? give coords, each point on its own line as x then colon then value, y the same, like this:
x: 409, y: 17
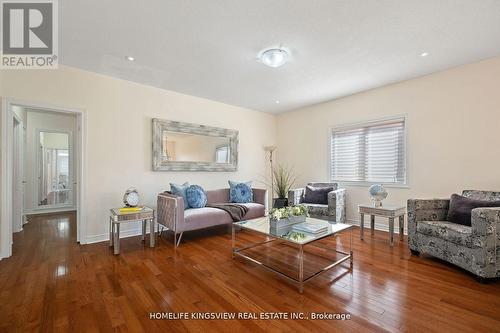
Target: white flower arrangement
x: 286, y: 212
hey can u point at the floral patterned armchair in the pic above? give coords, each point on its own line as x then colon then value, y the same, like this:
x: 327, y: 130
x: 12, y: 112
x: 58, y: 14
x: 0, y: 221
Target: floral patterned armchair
x: 475, y: 248
x: 334, y: 211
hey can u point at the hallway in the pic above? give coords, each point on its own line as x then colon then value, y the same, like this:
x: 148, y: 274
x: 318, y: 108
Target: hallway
x: 34, y: 281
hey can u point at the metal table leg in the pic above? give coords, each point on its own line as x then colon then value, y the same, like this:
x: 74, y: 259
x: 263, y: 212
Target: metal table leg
x: 232, y: 240
x: 143, y: 230
x: 361, y: 225
x: 350, y: 247
x: 301, y: 268
x: 151, y: 232
x: 401, y: 227
x: 116, y: 238
x: 372, y: 224
x: 110, y: 232
x: 391, y: 230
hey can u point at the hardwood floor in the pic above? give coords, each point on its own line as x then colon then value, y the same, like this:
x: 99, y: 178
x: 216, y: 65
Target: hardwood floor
x: 53, y: 284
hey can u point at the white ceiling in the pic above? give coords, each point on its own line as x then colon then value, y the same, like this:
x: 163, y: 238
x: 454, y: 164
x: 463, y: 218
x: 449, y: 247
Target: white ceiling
x: 208, y: 48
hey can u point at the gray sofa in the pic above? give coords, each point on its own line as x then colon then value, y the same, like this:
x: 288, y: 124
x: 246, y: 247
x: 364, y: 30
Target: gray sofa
x: 171, y: 213
x: 334, y: 211
x: 475, y: 248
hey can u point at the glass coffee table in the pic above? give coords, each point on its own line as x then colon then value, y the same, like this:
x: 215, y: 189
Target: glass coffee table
x: 298, y: 240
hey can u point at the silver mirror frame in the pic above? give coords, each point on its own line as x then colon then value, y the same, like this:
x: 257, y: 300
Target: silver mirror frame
x: 160, y: 125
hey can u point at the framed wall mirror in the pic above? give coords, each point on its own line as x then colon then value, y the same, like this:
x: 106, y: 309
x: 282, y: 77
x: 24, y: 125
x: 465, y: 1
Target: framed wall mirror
x: 179, y: 146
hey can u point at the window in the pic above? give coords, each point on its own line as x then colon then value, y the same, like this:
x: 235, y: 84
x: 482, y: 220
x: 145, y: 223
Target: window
x: 373, y: 152
x: 222, y: 154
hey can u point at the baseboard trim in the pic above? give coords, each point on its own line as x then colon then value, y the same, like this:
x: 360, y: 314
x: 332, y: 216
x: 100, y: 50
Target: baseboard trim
x: 379, y: 226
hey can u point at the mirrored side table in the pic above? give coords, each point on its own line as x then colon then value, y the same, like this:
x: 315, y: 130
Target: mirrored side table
x: 390, y: 212
x: 116, y: 218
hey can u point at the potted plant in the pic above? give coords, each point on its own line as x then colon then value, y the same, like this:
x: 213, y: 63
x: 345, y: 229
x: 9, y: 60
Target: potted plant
x: 284, y: 178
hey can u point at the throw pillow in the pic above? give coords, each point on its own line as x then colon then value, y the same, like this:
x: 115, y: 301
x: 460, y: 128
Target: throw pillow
x: 461, y: 207
x: 196, y: 196
x: 240, y: 192
x: 180, y: 190
x: 317, y: 195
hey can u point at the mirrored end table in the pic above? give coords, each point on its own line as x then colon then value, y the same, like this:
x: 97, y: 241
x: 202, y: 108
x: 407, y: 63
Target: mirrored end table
x: 116, y: 218
x: 391, y: 212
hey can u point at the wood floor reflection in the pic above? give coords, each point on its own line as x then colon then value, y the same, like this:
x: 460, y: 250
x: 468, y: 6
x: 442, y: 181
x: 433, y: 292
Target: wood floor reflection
x: 53, y: 284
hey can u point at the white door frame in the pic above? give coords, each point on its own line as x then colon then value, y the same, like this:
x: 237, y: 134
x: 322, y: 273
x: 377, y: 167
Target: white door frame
x: 7, y: 172
x: 17, y: 213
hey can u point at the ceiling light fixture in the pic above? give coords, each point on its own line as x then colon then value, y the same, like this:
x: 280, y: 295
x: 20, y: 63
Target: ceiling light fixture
x: 277, y: 102
x: 129, y: 58
x: 424, y: 54
x: 274, y: 57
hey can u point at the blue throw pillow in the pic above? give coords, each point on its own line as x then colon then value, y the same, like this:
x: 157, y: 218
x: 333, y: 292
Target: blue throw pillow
x: 240, y: 192
x: 196, y: 196
x: 181, y: 191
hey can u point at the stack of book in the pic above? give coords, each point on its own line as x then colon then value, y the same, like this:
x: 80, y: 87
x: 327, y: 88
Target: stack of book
x: 311, y: 228
x: 131, y: 209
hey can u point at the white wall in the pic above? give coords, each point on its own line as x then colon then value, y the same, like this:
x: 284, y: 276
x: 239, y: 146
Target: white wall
x: 47, y: 121
x: 119, y: 122
x: 453, y: 133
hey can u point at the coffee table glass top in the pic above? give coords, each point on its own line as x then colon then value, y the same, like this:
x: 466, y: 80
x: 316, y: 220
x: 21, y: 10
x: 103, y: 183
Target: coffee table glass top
x: 262, y: 225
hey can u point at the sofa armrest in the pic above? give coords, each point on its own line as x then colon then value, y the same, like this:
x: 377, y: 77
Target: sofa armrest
x: 336, y: 204
x: 296, y: 196
x: 260, y: 196
x: 170, y: 211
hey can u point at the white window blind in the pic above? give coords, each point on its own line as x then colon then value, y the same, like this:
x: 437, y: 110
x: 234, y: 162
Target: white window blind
x: 371, y: 152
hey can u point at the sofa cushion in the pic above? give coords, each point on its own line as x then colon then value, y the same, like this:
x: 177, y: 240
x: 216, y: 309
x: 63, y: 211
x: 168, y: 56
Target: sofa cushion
x: 317, y: 209
x: 255, y: 210
x: 461, y: 208
x: 317, y: 195
x: 199, y: 218
x: 196, y: 196
x: 448, y: 231
x: 240, y: 192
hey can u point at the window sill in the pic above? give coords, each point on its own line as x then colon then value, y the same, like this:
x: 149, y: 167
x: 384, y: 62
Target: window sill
x: 368, y: 184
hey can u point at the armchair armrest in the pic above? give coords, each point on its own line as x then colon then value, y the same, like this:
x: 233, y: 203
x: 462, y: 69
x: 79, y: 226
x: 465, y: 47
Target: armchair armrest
x: 296, y: 196
x: 485, y: 224
x: 424, y: 210
x: 336, y: 204
x: 170, y: 211
x: 427, y: 209
x: 260, y: 196
x: 486, y: 221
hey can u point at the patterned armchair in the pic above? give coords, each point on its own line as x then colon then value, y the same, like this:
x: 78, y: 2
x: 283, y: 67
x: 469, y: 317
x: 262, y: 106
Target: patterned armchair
x: 334, y: 211
x: 475, y: 248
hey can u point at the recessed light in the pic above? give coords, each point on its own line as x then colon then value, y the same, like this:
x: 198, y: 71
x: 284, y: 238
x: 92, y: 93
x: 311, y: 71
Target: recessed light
x: 424, y: 54
x: 274, y: 57
x: 277, y: 102
x: 130, y: 58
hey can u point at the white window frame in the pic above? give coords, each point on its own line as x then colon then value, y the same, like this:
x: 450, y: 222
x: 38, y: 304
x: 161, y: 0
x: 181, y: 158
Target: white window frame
x: 373, y: 122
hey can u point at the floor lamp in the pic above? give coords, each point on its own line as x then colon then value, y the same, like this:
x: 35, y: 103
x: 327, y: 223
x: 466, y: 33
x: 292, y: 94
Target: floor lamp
x: 271, y: 149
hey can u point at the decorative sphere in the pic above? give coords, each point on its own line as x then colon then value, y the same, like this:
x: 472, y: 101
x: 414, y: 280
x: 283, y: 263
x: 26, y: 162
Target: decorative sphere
x: 131, y: 197
x: 377, y: 192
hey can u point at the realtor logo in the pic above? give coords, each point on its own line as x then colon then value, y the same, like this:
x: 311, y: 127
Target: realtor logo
x: 29, y: 34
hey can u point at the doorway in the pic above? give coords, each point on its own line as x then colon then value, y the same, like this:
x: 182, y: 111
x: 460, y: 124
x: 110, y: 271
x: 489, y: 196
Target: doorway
x: 43, y: 166
x: 54, y: 169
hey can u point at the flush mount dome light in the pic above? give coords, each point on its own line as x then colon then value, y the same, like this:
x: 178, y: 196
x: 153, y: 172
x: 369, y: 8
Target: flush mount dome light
x: 274, y: 57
